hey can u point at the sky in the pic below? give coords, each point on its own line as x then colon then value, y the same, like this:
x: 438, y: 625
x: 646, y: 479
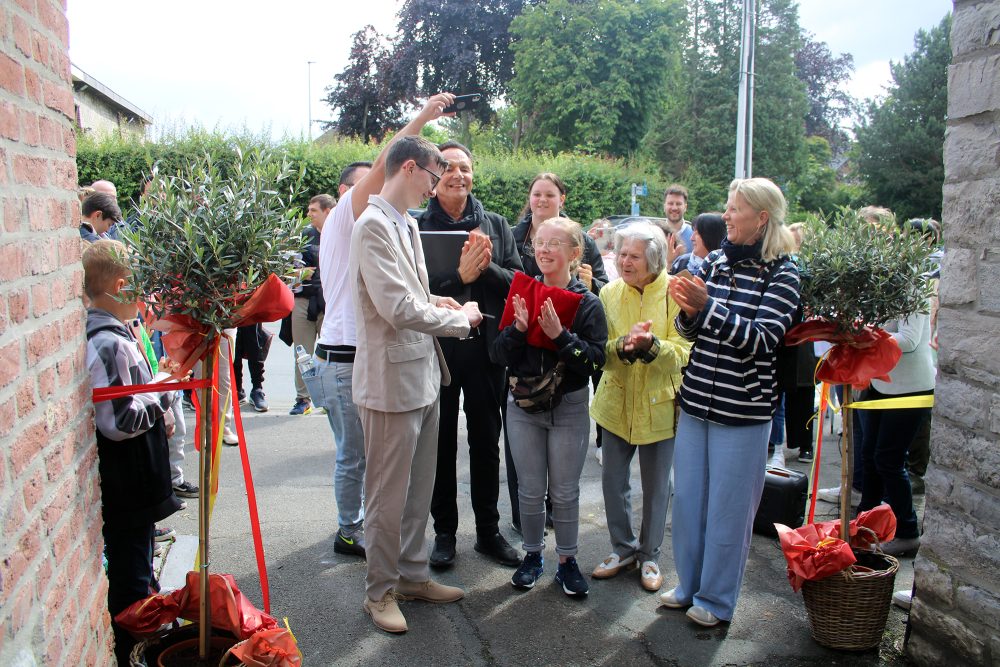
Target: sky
x: 244, y: 64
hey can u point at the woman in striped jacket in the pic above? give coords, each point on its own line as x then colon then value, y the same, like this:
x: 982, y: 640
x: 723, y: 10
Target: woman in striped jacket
x: 736, y: 310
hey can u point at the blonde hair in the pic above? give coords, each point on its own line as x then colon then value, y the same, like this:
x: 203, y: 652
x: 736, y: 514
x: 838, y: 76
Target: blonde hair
x: 104, y: 262
x: 878, y: 215
x: 575, y: 233
x: 797, y: 230
x: 764, y: 196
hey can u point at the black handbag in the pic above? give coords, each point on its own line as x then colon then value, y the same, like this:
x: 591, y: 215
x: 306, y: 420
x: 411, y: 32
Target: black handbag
x: 538, y: 393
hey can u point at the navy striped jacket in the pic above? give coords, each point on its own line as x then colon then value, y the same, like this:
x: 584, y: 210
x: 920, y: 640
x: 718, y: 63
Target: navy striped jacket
x: 730, y: 378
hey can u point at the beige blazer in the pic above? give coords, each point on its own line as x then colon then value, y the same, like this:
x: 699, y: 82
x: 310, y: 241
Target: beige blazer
x: 398, y: 365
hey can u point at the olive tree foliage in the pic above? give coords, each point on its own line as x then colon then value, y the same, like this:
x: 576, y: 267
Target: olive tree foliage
x: 590, y: 75
x: 901, y: 141
x: 366, y: 105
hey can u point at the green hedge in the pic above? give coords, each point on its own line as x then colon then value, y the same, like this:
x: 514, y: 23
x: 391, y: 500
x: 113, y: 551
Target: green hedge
x: 597, y: 187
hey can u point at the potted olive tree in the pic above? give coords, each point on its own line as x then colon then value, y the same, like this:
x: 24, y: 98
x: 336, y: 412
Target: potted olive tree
x: 208, y: 242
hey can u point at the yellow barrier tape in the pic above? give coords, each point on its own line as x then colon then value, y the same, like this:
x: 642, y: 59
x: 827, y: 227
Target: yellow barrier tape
x: 925, y: 401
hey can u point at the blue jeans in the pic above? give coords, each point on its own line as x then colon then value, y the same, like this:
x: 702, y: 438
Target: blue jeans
x: 330, y: 386
x: 550, y: 448
x: 718, y: 481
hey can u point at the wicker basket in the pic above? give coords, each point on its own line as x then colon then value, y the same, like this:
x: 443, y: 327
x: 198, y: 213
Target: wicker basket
x: 848, y: 610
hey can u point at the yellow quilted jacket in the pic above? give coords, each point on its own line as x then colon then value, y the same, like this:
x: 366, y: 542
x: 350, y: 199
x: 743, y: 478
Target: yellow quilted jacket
x: 636, y: 402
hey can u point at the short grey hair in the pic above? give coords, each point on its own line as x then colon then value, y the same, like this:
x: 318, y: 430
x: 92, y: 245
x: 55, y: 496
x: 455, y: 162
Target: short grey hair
x: 652, y: 236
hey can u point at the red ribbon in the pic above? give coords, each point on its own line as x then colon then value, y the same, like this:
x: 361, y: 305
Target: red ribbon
x: 855, y: 358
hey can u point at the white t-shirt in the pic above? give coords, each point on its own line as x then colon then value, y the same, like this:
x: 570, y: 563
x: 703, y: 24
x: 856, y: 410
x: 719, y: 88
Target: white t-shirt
x: 338, y: 289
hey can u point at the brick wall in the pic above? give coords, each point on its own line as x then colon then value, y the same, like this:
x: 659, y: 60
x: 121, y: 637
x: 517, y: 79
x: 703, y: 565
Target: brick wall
x: 955, y: 617
x: 52, y: 587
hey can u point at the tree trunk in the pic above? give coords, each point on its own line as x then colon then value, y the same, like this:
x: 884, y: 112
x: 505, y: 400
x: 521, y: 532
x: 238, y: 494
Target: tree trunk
x: 847, y: 464
x: 208, y: 368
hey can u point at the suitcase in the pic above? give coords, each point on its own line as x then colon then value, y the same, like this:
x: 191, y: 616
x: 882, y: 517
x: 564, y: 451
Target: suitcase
x: 783, y: 500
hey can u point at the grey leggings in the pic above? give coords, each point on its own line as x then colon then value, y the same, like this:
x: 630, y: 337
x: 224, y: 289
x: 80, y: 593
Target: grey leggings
x: 549, y: 449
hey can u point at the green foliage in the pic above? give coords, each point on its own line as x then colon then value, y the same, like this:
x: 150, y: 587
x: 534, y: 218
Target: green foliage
x: 815, y: 187
x: 589, y: 76
x: 857, y: 274
x: 901, y: 144
x: 209, y: 235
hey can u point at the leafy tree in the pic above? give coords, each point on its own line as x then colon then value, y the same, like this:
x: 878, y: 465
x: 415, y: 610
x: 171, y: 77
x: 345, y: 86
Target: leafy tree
x: 829, y: 104
x: 815, y: 187
x: 363, y: 95
x: 901, y: 143
x: 698, y: 127
x: 590, y: 75
x: 462, y: 46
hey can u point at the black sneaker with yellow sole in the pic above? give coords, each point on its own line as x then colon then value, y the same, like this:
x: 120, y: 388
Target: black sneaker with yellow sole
x: 350, y: 545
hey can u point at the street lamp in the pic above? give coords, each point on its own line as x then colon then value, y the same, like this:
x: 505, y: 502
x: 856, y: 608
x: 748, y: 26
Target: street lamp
x: 309, y: 64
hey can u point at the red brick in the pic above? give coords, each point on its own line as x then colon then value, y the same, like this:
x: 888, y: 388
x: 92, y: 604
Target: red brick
x: 10, y: 363
x: 29, y: 546
x: 40, y: 48
x: 26, y: 446
x: 31, y: 170
x: 28, y: 6
x: 51, y: 133
x: 43, y: 574
x: 25, y: 396
x: 54, y: 19
x: 42, y: 343
x: 33, y: 490
x: 33, y: 85
x: 38, y: 215
x: 64, y: 172
x: 62, y: 543
x: 71, y: 328
x: 21, y: 610
x: 12, y: 209
x: 7, y: 412
x: 46, y: 383
x: 11, y: 75
x: 56, y: 461
x: 39, y: 259
x: 9, y: 128
x: 28, y: 121
x: 22, y: 36
x: 13, y: 520
x: 69, y: 141
x: 12, y: 262
x: 59, y: 96
x: 40, y: 304
x: 17, y: 303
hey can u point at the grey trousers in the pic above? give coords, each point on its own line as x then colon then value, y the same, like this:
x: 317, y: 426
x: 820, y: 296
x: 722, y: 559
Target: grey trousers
x: 655, y: 460
x: 401, y: 453
x: 549, y: 450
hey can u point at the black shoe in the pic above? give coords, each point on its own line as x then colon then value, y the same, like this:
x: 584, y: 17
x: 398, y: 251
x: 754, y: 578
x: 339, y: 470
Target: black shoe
x: 185, y: 490
x: 443, y: 555
x: 258, y: 400
x: 805, y: 456
x: 568, y: 576
x: 351, y: 546
x: 497, y: 548
x: 241, y: 395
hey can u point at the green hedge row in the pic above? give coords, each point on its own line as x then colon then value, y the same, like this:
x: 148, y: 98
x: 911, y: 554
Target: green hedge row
x: 597, y: 187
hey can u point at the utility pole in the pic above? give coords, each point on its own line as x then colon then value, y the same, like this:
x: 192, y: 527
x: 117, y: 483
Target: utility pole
x: 309, y: 128
x: 744, y: 121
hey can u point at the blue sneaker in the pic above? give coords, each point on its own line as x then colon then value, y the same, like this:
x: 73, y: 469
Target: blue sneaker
x: 302, y: 407
x: 529, y: 571
x: 571, y: 579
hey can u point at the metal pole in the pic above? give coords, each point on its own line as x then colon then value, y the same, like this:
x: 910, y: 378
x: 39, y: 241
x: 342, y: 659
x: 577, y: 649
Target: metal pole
x: 744, y: 120
x: 309, y: 64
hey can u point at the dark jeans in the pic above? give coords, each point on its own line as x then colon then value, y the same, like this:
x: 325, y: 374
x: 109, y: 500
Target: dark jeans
x: 799, y: 409
x: 250, y: 342
x: 481, y: 382
x: 858, y: 480
x: 130, y: 577
x: 920, y: 451
x: 887, y: 436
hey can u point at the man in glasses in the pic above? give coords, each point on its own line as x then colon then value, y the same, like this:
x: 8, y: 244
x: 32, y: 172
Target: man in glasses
x: 397, y: 377
x: 483, y: 274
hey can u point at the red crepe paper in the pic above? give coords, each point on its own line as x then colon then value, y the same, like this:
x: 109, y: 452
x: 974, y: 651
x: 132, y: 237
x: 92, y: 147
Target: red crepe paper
x: 855, y: 359
x: 534, y: 294
x: 814, y: 551
x: 229, y: 609
x: 269, y: 648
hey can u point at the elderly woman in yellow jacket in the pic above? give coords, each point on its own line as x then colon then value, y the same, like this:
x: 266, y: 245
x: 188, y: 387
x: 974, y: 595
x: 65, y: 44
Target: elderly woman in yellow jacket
x: 635, y: 400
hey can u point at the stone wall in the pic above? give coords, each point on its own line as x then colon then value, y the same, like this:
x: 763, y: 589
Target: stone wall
x: 955, y: 617
x: 53, y: 592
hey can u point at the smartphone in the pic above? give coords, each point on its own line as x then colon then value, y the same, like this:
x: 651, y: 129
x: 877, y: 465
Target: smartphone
x: 463, y: 103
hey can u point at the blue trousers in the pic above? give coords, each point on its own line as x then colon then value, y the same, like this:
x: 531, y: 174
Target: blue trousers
x: 718, y: 481
x: 331, y: 387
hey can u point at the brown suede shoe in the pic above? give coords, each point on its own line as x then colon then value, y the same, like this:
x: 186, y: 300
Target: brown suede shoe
x: 428, y: 591
x: 385, y: 613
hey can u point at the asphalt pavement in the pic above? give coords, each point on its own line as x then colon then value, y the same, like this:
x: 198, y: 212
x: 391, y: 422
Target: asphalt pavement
x: 619, y: 623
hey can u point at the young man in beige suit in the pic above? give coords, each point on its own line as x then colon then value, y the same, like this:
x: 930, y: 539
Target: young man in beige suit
x: 398, y: 371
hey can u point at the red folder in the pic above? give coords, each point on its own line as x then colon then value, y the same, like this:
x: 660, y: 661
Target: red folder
x: 534, y: 294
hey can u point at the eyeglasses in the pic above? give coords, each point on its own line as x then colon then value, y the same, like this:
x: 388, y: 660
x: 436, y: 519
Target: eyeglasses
x: 552, y: 244
x: 435, y: 179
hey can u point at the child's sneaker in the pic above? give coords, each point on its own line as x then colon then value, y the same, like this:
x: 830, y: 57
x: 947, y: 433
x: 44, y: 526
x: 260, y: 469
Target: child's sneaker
x: 163, y: 534
x: 529, y: 571
x: 571, y: 579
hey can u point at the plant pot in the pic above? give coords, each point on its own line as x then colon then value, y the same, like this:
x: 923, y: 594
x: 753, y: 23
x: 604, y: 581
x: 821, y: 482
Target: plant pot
x: 179, y: 648
x: 848, y: 610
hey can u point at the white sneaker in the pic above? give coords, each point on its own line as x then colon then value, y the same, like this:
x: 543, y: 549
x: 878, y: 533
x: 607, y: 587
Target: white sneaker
x: 599, y: 455
x: 228, y: 437
x: 778, y: 458
x: 903, y: 599
x: 831, y: 494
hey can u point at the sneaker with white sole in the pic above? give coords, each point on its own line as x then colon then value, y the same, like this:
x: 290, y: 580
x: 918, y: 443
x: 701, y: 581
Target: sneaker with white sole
x: 612, y: 565
x: 703, y: 617
x: 670, y: 600
x: 832, y: 495
x: 163, y: 534
x: 903, y: 599
x: 229, y: 438
x: 651, y: 578
x: 568, y: 576
x: 529, y: 571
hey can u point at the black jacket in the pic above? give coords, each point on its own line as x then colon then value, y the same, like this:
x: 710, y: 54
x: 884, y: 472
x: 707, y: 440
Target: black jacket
x: 312, y: 288
x: 591, y: 255
x: 581, y: 346
x: 491, y: 288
